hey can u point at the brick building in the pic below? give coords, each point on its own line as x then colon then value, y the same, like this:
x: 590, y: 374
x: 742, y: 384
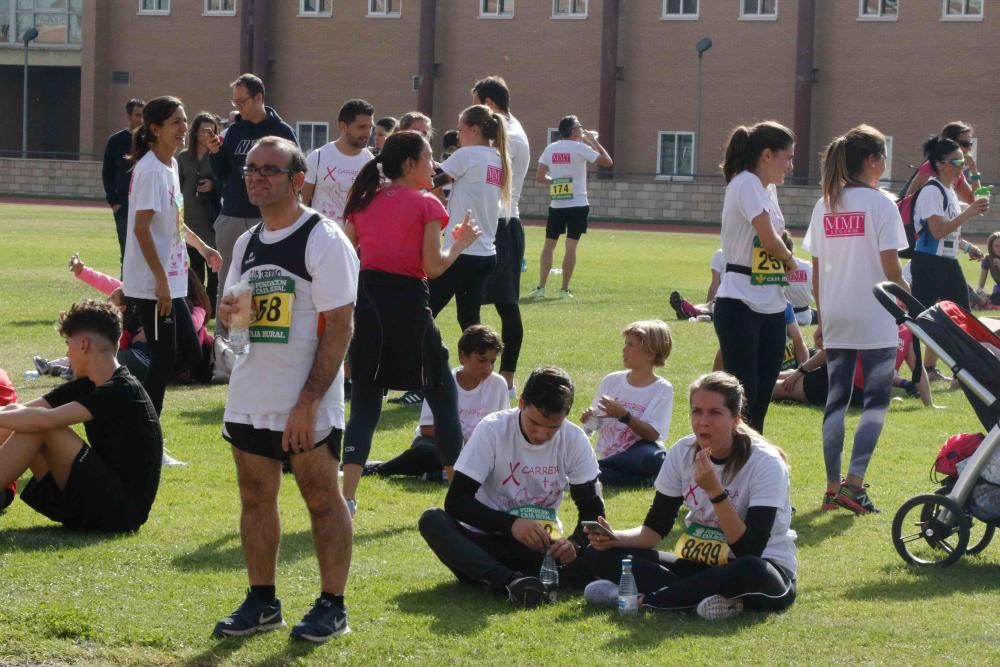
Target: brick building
x: 627, y: 67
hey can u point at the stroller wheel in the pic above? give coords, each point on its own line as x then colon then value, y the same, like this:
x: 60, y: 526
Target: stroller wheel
x: 930, y: 529
x: 980, y: 533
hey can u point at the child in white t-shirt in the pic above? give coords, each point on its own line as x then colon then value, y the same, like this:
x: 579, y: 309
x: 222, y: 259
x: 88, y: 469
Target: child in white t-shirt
x: 632, y: 409
x: 480, y: 392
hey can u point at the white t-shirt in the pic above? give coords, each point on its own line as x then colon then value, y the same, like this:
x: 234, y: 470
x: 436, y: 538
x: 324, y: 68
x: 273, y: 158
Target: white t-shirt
x: 799, y: 288
x: 478, y: 174
x: 762, y: 482
x: 266, y: 381
x: 520, y: 478
x: 718, y: 263
x: 156, y: 187
x: 928, y: 204
x: 333, y: 174
x: 567, y: 162
x: 489, y: 396
x: 847, y: 245
x: 652, y: 404
x: 520, y: 159
x: 746, y: 198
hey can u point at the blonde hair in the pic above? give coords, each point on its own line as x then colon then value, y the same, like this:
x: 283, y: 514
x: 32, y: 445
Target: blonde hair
x: 493, y: 128
x: 844, y: 161
x: 655, y: 338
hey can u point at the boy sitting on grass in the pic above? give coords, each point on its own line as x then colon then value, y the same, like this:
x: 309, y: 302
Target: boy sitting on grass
x: 480, y: 392
x: 110, y: 484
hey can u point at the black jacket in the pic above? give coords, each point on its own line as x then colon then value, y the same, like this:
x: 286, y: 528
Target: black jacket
x: 228, y: 162
x: 115, y: 172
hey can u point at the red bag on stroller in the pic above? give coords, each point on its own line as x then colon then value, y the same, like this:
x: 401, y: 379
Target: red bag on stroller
x: 956, y: 448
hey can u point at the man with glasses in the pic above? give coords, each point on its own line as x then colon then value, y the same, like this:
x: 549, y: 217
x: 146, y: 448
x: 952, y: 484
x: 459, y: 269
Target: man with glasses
x: 286, y: 397
x: 253, y: 121
x: 115, y: 171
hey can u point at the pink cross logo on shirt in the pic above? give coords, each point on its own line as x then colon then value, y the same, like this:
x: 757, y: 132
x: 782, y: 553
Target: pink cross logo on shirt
x: 510, y: 478
x: 330, y: 174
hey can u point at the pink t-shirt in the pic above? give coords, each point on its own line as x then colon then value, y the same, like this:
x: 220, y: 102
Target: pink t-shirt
x: 7, y: 393
x: 926, y: 171
x: 902, y: 349
x: 391, y: 230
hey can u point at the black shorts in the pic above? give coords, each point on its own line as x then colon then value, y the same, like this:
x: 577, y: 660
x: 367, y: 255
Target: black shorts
x: 570, y: 221
x: 504, y: 284
x: 94, y: 497
x: 816, y: 386
x: 267, y: 443
x: 938, y: 279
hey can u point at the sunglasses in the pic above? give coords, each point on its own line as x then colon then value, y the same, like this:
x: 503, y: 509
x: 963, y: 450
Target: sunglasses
x: 958, y: 162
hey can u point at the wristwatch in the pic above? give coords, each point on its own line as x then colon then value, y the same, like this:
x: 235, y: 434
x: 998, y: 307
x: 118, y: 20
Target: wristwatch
x: 719, y: 498
x: 625, y: 418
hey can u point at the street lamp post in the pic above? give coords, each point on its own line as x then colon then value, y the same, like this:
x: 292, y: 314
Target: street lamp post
x: 704, y: 44
x: 29, y: 35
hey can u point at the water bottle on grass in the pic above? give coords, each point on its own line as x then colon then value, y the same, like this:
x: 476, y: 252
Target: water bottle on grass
x: 549, y: 575
x: 628, y: 594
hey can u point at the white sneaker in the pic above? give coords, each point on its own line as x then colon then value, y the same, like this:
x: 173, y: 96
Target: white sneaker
x: 602, y: 593
x: 717, y: 608
x: 170, y: 461
x: 537, y: 293
x: 512, y: 392
x: 565, y: 294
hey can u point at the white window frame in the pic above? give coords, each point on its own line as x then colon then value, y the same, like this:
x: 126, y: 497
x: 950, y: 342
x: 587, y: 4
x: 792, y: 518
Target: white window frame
x: 681, y: 16
x: 659, y: 157
x: 964, y: 16
x: 880, y: 16
x: 155, y: 12
x: 552, y: 134
x: 10, y: 18
x: 571, y: 15
x: 484, y: 13
x: 887, y: 174
x: 757, y: 16
x: 218, y: 12
x: 385, y: 13
x: 313, y: 124
x: 303, y: 13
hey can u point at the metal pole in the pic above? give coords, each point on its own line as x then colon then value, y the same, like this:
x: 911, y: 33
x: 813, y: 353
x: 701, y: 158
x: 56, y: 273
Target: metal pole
x: 24, y: 108
x: 697, y: 129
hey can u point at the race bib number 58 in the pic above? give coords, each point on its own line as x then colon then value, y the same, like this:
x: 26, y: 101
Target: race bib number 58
x: 273, y: 299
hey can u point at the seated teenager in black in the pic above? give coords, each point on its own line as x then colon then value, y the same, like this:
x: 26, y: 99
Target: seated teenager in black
x: 501, y: 514
x: 110, y: 484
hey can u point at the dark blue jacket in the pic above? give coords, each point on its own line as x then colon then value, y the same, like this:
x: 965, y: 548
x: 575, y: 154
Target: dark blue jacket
x: 228, y: 162
x: 115, y: 172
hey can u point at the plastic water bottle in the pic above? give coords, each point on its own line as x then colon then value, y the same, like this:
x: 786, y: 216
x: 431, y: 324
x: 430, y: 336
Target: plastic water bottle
x: 592, y: 425
x: 31, y: 376
x: 549, y: 574
x: 628, y: 595
x: 239, y: 324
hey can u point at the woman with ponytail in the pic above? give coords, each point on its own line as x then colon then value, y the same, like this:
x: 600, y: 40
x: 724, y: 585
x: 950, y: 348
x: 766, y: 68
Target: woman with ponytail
x: 750, y: 303
x: 481, y: 173
x: 155, y: 269
x: 854, y: 236
x: 737, y: 548
x: 397, y: 230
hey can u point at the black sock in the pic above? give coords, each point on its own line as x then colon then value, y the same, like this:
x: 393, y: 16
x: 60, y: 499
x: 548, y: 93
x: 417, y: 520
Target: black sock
x: 265, y: 593
x: 332, y: 597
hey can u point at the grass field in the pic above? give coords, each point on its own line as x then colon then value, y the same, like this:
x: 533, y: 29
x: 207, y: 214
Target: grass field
x: 153, y: 597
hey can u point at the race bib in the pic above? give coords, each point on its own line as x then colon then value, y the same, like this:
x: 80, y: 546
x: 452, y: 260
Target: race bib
x: 703, y: 544
x: 273, y: 299
x: 789, y: 359
x: 765, y: 268
x: 949, y: 245
x: 561, y: 188
x: 544, y: 516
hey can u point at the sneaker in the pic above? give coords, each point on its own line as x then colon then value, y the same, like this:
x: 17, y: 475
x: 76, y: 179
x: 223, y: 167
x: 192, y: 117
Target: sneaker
x: 829, y: 502
x: 437, y: 476
x: 254, y: 615
x: 324, y: 621
x: 602, y: 593
x: 537, y: 293
x: 934, y: 375
x: 371, y: 468
x: 41, y: 365
x: 856, y: 500
x: 677, y: 303
x: 526, y: 592
x: 565, y: 294
x: 512, y: 392
x: 717, y: 608
x: 409, y: 398
x: 170, y: 461
x: 352, y: 506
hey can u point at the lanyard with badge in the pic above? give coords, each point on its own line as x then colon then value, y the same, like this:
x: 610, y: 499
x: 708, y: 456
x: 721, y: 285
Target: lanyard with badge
x: 765, y: 268
x: 703, y: 544
x: 273, y: 299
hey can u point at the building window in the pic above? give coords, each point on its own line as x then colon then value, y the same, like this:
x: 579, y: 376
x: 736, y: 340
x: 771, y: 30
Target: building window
x: 154, y: 6
x: 311, y: 135
x: 680, y: 9
x: 963, y: 10
x: 759, y: 9
x: 315, y: 8
x: 878, y: 9
x: 569, y: 9
x: 887, y: 174
x: 676, y: 155
x: 496, y: 9
x: 384, y: 8
x: 56, y: 22
x: 553, y: 135
x: 220, y: 7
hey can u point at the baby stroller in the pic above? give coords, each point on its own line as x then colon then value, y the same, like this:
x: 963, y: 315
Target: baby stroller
x: 960, y: 517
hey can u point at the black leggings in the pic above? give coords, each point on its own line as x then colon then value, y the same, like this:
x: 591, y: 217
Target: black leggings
x: 172, y: 344
x: 366, y: 409
x: 512, y: 333
x: 675, y: 584
x: 465, y: 280
x: 421, y: 458
x: 753, y: 346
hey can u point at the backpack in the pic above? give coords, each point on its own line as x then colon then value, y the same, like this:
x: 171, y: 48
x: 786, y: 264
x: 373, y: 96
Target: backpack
x: 956, y: 448
x: 906, y: 203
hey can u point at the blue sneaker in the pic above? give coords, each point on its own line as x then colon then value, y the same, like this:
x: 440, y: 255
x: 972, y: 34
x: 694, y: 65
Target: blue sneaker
x: 324, y: 621
x: 254, y: 615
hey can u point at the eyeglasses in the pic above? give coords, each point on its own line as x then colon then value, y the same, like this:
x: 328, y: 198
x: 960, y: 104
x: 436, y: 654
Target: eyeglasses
x: 958, y: 162
x: 965, y: 144
x: 239, y: 103
x: 266, y: 170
